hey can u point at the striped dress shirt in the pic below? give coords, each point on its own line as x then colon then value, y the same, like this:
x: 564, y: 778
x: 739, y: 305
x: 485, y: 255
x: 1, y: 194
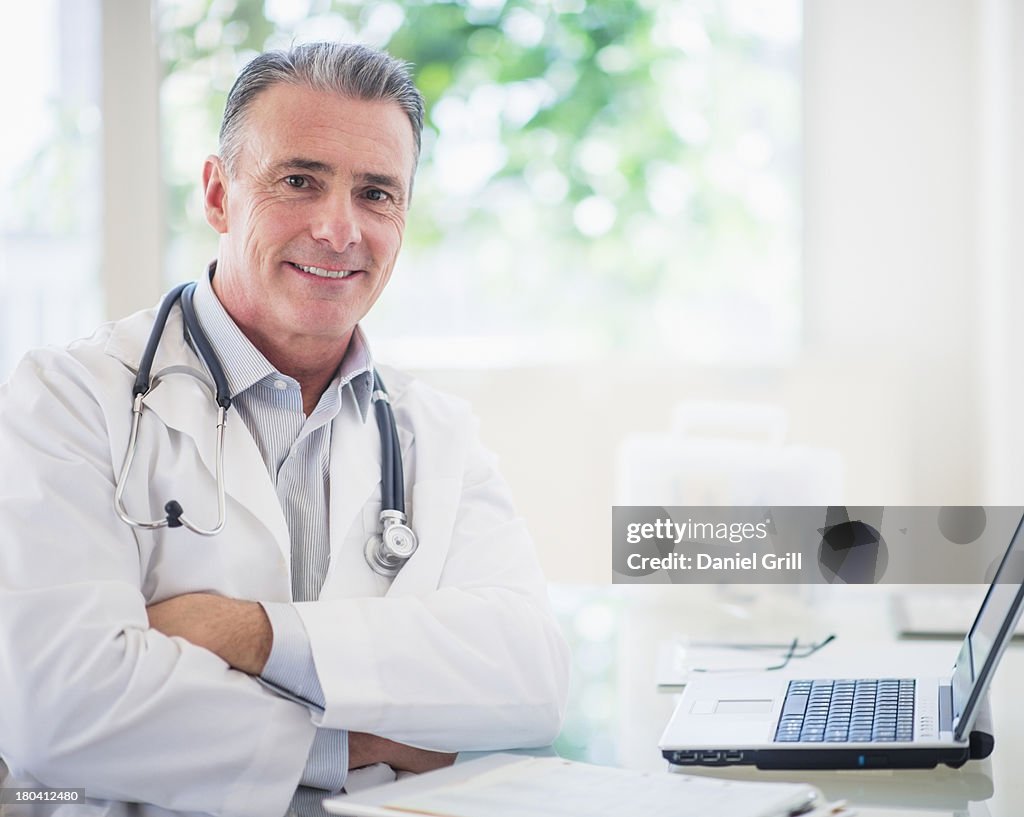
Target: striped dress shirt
x: 296, y: 451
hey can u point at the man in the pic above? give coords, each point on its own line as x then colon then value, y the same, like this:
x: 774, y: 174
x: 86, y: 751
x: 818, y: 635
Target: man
x: 140, y: 664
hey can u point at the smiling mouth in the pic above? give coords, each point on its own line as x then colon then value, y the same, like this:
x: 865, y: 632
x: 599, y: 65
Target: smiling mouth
x: 319, y: 272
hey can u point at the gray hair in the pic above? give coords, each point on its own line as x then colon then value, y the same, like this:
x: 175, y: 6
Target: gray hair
x: 348, y: 69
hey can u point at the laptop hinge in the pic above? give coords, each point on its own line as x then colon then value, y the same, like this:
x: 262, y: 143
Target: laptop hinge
x: 945, y: 708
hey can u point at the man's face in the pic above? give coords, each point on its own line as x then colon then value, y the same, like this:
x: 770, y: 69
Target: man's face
x: 312, y: 216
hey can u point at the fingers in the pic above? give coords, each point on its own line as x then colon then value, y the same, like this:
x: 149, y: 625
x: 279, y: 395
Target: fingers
x: 365, y: 749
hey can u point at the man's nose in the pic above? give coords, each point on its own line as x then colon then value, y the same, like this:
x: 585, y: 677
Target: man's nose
x: 337, y: 223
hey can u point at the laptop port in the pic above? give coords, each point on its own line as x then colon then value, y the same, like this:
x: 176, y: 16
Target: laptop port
x: 684, y: 757
x: 734, y: 757
x: 710, y: 757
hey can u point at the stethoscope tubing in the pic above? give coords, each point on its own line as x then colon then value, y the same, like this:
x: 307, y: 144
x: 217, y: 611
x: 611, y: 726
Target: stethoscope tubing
x: 144, y: 382
x: 380, y: 555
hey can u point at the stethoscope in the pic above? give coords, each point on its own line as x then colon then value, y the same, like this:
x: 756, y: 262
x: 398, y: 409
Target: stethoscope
x: 386, y: 551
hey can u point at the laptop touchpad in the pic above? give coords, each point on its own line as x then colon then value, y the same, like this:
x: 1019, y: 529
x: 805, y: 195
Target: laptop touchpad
x: 726, y: 706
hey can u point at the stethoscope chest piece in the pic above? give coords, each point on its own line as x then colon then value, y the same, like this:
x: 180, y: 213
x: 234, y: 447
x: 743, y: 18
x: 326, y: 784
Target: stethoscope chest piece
x: 387, y: 551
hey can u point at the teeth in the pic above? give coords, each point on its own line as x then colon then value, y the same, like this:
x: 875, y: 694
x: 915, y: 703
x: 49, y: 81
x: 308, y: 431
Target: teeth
x: 325, y: 273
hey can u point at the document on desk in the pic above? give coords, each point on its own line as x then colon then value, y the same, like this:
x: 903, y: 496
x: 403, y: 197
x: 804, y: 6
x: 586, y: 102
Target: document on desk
x: 553, y: 787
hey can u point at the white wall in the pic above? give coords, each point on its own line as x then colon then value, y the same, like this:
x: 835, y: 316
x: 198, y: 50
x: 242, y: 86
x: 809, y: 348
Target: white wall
x: 891, y: 230
x: 1001, y: 248
x: 556, y: 432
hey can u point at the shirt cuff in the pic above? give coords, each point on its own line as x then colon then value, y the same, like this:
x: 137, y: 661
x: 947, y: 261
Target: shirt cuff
x: 327, y: 764
x: 290, y: 664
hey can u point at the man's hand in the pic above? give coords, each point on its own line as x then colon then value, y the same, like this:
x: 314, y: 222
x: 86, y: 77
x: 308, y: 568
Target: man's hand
x: 236, y: 630
x: 364, y: 749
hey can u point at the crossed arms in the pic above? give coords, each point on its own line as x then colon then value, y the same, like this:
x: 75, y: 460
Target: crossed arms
x: 96, y: 694
x: 240, y: 633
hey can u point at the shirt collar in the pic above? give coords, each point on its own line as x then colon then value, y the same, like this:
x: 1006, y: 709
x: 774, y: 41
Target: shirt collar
x: 356, y: 370
x: 244, y: 365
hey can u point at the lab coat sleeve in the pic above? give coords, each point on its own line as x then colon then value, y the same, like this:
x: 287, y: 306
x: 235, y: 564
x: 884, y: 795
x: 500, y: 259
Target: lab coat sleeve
x: 91, y: 697
x: 475, y: 662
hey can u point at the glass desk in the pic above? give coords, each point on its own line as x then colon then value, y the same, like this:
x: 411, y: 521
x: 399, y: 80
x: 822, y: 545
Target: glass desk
x: 617, y: 712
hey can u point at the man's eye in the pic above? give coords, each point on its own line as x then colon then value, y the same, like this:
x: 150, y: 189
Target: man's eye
x: 297, y: 182
x: 373, y: 194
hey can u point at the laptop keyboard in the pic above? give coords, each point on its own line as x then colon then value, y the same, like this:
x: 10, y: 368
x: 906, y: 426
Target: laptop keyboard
x: 863, y: 711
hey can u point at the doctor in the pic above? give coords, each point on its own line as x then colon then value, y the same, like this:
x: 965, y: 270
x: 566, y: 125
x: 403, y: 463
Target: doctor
x: 143, y: 664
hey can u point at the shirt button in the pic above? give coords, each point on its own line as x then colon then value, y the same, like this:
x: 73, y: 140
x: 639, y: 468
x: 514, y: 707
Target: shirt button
x: 280, y: 385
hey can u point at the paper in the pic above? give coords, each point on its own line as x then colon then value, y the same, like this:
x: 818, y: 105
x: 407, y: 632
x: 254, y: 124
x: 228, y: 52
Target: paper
x: 552, y: 787
x: 945, y: 615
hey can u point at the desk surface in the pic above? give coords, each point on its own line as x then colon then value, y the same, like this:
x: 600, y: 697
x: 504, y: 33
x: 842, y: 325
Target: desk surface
x: 617, y: 713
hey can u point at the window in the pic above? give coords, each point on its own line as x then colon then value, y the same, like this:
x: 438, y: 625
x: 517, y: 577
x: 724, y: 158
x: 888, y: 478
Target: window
x: 50, y: 212
x: 598, y: 178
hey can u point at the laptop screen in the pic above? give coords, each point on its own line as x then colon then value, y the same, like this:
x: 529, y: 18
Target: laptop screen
x: 992, y: 628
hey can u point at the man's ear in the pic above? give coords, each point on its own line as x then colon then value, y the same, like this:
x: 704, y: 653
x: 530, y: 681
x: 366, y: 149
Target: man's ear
x: 215, y: 193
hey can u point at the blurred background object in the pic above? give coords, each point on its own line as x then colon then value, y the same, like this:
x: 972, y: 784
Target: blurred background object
x: 719, y: 453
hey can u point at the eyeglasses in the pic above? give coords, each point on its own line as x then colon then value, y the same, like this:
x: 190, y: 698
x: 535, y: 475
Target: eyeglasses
x: 786, y: 653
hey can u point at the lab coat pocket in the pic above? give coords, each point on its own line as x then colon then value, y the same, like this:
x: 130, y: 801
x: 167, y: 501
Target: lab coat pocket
x: 349, y: 575
x: 432, y: 508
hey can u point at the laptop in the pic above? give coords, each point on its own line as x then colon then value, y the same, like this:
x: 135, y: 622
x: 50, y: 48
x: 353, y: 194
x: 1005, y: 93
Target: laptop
x: 851, y: 723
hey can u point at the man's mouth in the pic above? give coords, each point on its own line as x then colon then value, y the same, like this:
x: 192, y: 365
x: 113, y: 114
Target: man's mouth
x: 320, y: 272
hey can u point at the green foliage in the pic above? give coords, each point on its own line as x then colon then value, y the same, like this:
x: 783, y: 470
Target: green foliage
x: 43, y: 187
x: 603, y: 141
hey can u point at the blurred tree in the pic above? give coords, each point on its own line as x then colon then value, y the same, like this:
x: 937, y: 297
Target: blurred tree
x: 589, y: 157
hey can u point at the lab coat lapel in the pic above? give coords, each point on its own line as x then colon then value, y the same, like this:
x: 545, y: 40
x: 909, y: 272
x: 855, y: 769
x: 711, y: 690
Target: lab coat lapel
x: 355, y: 482
x: 355, y: 472
x: 184, y: 404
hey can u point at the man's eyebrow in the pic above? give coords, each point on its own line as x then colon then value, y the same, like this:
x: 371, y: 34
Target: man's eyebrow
x: 298, y: 163
x: 391, y: 183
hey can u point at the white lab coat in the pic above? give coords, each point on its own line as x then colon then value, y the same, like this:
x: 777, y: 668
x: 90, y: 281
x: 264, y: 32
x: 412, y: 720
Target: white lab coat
x: 459, y: 652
